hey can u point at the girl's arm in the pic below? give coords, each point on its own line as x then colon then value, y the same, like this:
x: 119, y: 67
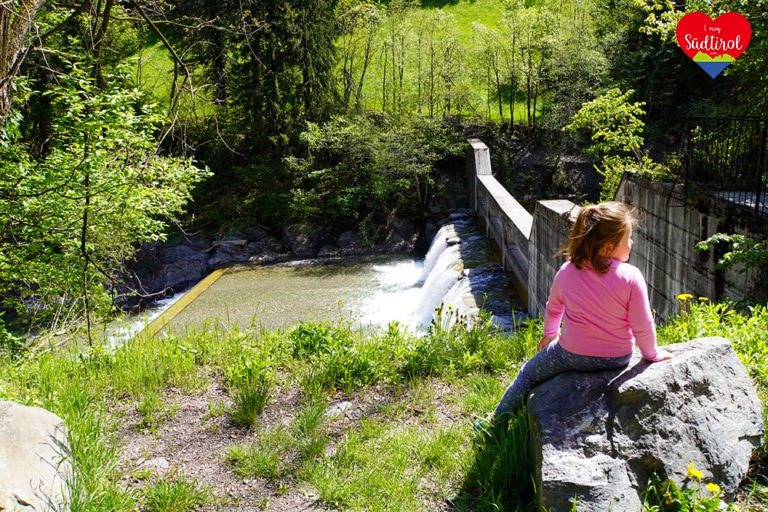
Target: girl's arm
x: 545, y: 340
x: 642, y: 323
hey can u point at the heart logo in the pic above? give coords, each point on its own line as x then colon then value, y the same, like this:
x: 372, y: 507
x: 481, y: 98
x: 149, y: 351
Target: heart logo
x: 713, y: 45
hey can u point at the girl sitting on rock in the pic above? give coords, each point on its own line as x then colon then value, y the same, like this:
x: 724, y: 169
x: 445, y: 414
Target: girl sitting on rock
x: 598, y: 302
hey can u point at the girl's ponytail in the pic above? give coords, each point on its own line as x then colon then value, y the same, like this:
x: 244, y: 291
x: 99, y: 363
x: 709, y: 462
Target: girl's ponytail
x: 594, y: 228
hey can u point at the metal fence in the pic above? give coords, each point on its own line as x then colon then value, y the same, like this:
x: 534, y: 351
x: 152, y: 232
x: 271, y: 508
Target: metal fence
x: 725, y: 158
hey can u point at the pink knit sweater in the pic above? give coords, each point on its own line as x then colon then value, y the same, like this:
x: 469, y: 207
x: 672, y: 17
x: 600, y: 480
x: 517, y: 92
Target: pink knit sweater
x: 604, y: 315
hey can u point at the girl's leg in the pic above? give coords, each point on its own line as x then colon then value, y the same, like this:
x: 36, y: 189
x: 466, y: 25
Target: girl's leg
x: 548, y: 363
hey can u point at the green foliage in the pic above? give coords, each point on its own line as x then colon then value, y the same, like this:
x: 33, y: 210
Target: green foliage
x: 501, y: 470
x: 669, y: 497
x: 264, y: 458
x: 176, y: 494
x: 743, y: 251
x: 614, y: 124
x: 616, y: 130
x: 9, y: 343
x: 339, y: 357
x: 364, y: 167
x: 251, y: 385
x: 268, y: 66
x: 73, y: 214
x: 280, y: 450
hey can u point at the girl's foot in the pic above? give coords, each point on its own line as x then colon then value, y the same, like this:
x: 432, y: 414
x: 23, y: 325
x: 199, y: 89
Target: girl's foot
x: 485, y: 425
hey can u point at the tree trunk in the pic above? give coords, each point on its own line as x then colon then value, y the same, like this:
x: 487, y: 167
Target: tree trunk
x: 15, y: 21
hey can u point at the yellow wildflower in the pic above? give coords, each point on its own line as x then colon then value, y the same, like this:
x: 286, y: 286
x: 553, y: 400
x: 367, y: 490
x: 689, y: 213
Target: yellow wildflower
x: 703, y: 299
x: 694, y: 473
x: 713, y: 489
x: 684, y: 297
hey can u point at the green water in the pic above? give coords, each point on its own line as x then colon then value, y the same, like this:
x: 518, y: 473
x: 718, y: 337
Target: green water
x: 280, y: 296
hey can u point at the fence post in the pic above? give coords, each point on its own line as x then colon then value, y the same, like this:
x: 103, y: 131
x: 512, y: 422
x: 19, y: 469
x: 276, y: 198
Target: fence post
x: 760, y: 164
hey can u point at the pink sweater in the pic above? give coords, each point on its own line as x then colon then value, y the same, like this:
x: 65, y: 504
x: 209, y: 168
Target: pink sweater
x: 604, y: 315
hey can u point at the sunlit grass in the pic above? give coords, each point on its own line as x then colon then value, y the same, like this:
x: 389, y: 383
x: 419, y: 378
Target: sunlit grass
x: 409, y: 445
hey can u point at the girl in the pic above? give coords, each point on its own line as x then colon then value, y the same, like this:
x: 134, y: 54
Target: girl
x: 602, y: 302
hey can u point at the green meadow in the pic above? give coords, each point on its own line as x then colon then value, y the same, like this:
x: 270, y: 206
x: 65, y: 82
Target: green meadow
x: 410, y: 445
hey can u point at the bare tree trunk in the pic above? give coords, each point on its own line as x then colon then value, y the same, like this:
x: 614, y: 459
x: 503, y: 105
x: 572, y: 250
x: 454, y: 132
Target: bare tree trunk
x: 15, y: 21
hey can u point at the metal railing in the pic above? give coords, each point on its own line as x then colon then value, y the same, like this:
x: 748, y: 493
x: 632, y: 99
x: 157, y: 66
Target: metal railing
x: 725, y: 158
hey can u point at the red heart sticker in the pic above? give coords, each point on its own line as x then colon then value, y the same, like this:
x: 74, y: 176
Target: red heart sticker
x: 713, y: 45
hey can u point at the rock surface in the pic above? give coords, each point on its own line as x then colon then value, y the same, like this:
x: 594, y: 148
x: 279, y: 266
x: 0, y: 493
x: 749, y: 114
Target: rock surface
x: 34, y: 468
x: 599, y: 436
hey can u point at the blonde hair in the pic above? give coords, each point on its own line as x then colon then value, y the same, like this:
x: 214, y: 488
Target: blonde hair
x: 597, y: 226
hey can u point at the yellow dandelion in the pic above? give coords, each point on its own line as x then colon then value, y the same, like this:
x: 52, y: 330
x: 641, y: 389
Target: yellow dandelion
x: 684, y: 297
x: 694, y: 473
x: 713, y: 489
x: 703, y: 299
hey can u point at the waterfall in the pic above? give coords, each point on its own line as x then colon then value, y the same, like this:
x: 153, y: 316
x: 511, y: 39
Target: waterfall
x: 438, y: 246
x: 442, y: 269
x: 441, y: 278
x: 460, y: 271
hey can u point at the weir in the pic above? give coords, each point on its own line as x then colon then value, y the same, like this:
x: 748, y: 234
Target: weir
x: 459, y: 277
x: 456, y: 276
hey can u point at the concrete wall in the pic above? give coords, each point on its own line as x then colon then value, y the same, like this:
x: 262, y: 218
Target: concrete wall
x: 664, y: 243
x: 507, y: 224
x: 665, y: 251
x: 551, y: 227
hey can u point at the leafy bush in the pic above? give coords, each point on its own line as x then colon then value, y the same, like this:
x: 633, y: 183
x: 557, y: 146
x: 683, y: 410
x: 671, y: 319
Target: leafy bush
x: 361, y: 168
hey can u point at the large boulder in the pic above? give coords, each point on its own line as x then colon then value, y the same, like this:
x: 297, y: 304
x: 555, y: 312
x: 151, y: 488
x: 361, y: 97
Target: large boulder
x: 182, y: 267
x: 598, y: 437
x: 300, y: 239
x: 34, y: 468
x: 266, y: 250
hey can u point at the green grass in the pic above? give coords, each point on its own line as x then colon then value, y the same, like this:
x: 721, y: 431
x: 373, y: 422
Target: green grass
x: 468, y: 12
x: 408, y: 446
x: 154, y: 67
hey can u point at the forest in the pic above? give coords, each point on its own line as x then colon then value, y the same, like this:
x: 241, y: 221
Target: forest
x: 128, y: 121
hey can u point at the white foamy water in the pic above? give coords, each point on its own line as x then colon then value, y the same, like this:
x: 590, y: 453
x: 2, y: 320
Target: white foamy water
x: 395, y: 296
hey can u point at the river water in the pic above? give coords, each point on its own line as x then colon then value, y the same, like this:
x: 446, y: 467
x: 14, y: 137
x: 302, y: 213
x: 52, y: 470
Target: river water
x: 373, y: 290
x: 365, y: 290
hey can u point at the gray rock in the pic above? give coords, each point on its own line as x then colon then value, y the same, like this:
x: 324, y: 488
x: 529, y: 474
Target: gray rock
x: 267, y: 250
x: 299, y: 239
x: 34, y: 465
x: 599, y: 436
x: 351, y: 243
x: 403, y: 227
x: 188, y: 269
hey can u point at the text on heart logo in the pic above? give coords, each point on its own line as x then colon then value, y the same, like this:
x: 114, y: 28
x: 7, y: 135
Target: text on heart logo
x: 713, y: 45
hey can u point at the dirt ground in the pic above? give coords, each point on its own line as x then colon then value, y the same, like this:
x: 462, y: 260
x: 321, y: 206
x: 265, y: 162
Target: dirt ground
x: 192, y: 442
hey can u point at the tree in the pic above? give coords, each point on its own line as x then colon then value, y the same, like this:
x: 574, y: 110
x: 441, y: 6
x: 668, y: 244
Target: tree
x: 357, y: 22
x: 578, y: 68
x: 360, y: 169
x: 72, y: 216
x: 15, y: 21
x: 616, y: 134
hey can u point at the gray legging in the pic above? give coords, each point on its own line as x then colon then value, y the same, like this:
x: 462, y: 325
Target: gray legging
x: 551, y: 361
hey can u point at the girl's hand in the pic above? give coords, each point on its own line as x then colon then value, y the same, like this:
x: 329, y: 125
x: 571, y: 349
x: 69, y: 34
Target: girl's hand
x: 545, y: 340
x: 663, y: 355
